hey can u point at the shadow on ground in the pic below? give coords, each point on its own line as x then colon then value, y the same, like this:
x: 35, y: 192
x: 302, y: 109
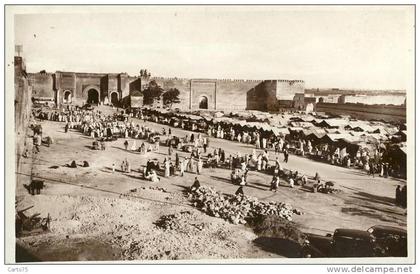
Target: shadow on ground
x: 22, y: 255
x: 375, y: 198
x: 354, y: 211
x: 283, y: 247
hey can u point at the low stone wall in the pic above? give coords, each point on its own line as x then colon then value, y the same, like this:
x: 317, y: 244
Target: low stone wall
x: 387, y: 113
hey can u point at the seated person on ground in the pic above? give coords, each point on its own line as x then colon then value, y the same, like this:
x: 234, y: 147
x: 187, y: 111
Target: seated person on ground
x: 152, y: 176
x: 73, y: 164
x: 291, y: 182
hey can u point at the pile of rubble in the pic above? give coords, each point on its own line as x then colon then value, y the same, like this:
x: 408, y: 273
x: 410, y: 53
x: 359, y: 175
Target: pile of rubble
x: 184, y: 221
x: 172, y: 221
x: 237, y: 209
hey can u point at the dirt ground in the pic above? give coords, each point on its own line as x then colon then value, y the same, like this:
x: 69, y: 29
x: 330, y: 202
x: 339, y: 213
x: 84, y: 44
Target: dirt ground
x: 98, y: 214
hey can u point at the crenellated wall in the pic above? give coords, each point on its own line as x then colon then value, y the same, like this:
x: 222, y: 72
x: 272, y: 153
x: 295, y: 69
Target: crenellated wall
x: 232, y: 94
x: 266, y: 95
x: 219, y: 94
x: 286, y: 89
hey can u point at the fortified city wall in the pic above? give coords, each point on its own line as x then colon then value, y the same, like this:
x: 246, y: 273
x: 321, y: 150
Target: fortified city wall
x: 220, y: 93
x: 214, y: 94
x: 183, y: 85
x: 231, y: 94
x: 286, y: 89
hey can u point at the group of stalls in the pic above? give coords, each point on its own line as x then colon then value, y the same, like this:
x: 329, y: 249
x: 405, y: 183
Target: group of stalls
x: 175, y: 119
x: 327, y: 136
x: 206, y: 121
x: 333, y: 139
x: 265, y: 130
x: 345, y: 138
x: 355, y: 145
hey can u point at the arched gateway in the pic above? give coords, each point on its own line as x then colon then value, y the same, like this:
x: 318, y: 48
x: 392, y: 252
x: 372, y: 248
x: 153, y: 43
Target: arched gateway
x: 93, y: 96
x: 67, y: 97
x: 203, y: 103
x: 114, y: 98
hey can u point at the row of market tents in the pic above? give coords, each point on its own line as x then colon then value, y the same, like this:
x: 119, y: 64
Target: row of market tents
x: 305, y: 126
x: 342, y: 133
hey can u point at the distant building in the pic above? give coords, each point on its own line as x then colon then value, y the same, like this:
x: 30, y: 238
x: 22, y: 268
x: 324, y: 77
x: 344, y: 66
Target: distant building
x: 301, y: 102
x: 367, y: 97
x: 342, y: 99
x: 134, y: 100
x: 361, y: 104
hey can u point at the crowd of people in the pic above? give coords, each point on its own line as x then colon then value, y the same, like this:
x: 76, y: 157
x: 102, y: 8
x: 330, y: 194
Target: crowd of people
x: 374, y: 159
x: 240, y: 165
x: 104, y: 128
x: 96, y: 125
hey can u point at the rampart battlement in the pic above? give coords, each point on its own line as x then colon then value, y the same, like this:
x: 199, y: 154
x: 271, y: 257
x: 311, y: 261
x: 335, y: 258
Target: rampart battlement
x: 204, y: 79
x: 168, y: 78
x: 291, y: 81
x: 90, y: 74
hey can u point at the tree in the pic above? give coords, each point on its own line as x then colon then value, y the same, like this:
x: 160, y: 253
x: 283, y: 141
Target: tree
x: 152, y: 92
x: 145, y: 73
x: 171, y: 97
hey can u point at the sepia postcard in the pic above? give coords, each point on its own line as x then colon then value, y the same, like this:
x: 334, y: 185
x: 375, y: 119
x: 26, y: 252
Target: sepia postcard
x: 214, y: 134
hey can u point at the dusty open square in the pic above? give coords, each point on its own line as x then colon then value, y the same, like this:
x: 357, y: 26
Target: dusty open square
x: 95, y: 210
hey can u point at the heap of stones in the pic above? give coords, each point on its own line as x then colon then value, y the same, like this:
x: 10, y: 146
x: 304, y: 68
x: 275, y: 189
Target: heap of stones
x: 179, y: 221
x: 237, y: 209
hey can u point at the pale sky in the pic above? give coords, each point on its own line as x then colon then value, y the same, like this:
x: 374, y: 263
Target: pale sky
x: 344, y: 47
